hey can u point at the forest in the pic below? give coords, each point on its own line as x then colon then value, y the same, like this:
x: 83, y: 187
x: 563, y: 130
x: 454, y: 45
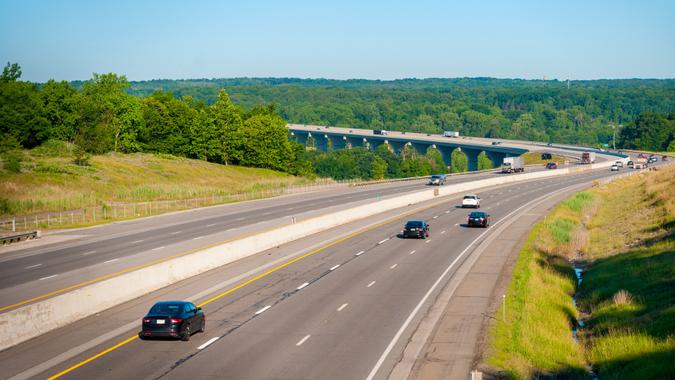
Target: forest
x: 242, y: 121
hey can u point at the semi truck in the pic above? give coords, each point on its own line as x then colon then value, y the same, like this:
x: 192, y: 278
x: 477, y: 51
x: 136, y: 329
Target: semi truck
x: 451, y: 134
x: 641, y: 163
x: 588, y: 157
x: 513, y: 165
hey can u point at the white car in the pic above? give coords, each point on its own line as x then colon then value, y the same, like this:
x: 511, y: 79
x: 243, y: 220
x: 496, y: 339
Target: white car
x: 619, y: 164
x: 615, y: 168
x: 471, y: 200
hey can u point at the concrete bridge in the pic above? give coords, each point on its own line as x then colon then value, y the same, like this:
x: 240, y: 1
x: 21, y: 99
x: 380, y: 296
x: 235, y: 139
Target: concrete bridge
x: 326, y: 138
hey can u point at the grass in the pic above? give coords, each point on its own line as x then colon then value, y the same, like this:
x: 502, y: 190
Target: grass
x: 534, y: 158
x: 50, y: 181
x: 624, y: 233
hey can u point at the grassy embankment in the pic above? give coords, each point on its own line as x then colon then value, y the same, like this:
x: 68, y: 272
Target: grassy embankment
x: 623, y: 234
x: 534, y: 158
x: 50, y: 181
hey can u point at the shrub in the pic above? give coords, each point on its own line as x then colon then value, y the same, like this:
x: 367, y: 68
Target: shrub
x: 13, y: 163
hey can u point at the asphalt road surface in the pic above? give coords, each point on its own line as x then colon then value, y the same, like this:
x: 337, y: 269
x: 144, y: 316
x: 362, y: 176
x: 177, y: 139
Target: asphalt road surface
x: 329, y: 313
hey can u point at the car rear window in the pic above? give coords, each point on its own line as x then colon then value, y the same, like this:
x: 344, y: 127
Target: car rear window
x: 414, y: 224
x: 167, y: 308
x: 477, y: 215
x: 469, y: 197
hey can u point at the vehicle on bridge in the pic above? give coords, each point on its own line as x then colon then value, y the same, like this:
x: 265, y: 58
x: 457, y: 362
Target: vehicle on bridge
x: 437, y: 179
x: 471, y: 200
x: 588, y: 157
x: 380, y: 132
x: 451, y: 134
x: 478, y: 218
x: 513, y: 165
x: 416, y: 229
x: 173, y: 319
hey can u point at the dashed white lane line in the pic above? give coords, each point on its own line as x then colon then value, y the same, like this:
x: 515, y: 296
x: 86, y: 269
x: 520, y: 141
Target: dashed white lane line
x: 242, y: 218
x: 456, y: 224
x: 447, y: 211
x: 176, y: 232
x: 48, y: 277
x: 487, y: 208
x: 210, y: 225
x: 413, y: 252
x: 335, y: 267
x: 208, y: 342
x: 302, y: 286
x: 371, y: 284
x: 198, y: 237
x: 427, y: 241
x: 382, y: 241
x: 157, y: 249
x: 442, y: 232
x: 110, y: 261
x: 88, y: 253
x: 359, y: 253
x: 435, y: 216
x: 303, y: 340
x: 137, y: 241
x: 266, y: 213
x: 264, y: 309
x: 342, y: 307
x: 290, y: 208
x: 33, y: 266
x: 393, y: 266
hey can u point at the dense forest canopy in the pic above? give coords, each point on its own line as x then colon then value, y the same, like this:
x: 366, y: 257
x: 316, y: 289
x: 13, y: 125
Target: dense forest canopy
x: 543, y: 110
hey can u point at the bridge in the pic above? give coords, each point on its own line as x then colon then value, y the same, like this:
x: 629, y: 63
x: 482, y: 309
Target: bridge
x: 325, y: 138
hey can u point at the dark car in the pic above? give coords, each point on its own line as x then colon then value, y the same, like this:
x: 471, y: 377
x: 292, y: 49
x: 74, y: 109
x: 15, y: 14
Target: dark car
x: 479, y: 218
x: 551, y: 165
x: 546, y: 156
x: 416, y: 229
x: 175, y: 319
x: 496, y: 142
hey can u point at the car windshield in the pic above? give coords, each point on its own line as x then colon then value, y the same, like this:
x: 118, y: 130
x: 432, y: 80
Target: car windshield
x: 469, y: 197
x: 167, y: 308
x: 477, y: 214
x: 414, y: 224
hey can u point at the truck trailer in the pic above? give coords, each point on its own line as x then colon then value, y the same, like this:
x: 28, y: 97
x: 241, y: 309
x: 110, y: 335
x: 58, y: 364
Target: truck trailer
x: 588, y: 157
x: 513, y: 165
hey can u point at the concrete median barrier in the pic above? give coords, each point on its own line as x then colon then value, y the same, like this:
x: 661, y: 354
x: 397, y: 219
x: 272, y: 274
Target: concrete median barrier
x: 26, y: 322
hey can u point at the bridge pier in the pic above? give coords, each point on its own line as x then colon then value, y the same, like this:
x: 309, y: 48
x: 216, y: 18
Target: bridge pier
x: 356, y: 141
x: 497, y: 158
x: 338, y: 142
x: 472, y: 156
x: 446, y: 153
x: 397, y: 146
x: 421, y: 149
x: 321, y: 142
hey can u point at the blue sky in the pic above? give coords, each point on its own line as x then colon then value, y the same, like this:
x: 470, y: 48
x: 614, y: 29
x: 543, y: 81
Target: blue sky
x: 341, y: 39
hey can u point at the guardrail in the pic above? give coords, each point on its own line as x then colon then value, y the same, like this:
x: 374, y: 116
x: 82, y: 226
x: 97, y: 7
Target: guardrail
x: 9, y: 239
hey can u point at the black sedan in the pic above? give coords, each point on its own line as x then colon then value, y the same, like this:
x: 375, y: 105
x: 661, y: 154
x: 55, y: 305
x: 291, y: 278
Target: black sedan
x: 175, y: 319
x: 479, y: 218
x: 416, y: 229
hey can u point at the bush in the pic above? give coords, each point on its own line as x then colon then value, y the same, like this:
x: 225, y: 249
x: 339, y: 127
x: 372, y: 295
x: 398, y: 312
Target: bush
x: 13, y: 163
x: 54, y: 148
x: 81, y: 156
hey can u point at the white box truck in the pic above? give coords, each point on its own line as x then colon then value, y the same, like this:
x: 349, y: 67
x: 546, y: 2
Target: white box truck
x: 451, y: 134
x: 513, y: 165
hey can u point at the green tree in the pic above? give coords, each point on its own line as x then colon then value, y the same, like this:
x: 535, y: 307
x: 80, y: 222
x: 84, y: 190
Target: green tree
x: 436, y: 158
x: 60, y: 102
x: 458, y: 161
x: 11, y: 72
x: 649, y: 131
x: 484, y: 162
x: 378, y: 168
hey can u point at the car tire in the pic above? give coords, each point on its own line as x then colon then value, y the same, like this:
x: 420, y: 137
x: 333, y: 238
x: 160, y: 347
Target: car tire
x: 202, y: 327
x: 186, y: 334
x: 141, y: 336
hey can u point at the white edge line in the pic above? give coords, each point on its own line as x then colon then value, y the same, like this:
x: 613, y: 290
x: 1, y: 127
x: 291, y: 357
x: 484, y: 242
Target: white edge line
x: 359, y: 253
x: 263, y: 309
x: 33, y: 266
x: 110, y: 261
x: 302, y: 286
x: 158, y: 248
x: 208, y: 342
x: 382, y: 241
x: 417, y: 308
x: 335, y: 267
x: 303, y: 340
x: 198, y: 237
x: 342, y: 307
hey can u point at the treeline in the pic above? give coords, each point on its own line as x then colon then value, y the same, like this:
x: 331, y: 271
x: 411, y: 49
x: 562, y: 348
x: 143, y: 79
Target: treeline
x: 100, y: 116
x: 494, y: 108
x: 650, y: 131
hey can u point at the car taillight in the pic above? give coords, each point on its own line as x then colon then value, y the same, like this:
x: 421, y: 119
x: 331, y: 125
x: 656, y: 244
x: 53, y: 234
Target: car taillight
x: 146, y: 320
x: 175, y: 320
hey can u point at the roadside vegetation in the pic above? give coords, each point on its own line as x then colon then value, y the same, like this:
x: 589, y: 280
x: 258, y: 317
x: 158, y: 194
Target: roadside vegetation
x: 621, y: 234
x: 534, y: 158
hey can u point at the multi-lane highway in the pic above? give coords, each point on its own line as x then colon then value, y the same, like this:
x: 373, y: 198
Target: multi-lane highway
x: 327, y: 306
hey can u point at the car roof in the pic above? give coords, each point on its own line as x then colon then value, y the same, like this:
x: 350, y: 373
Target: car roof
x: 172, y: 303
x: 414, y: 221
x: 478, y: 212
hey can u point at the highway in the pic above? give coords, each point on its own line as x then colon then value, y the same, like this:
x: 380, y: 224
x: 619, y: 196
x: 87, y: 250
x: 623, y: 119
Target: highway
x: 332, y: 306
x: 88, y: 254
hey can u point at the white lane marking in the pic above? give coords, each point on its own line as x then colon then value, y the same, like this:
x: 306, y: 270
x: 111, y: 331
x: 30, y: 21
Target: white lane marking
x: 263, y: 309
x: 176, y: 232
x: 335, y: 267
x: 203, y: 346
x: 359, y: 253
x: 266, y: 213
x: 48, y: 277
x: 456, y: 224
x: 393, y: 266
x: 88, y: 253
x: 302, y: 286
x: 371, y: 284
x: 198, y: 237
x: 33, y: 266
x: 342, y: 307
x: 487, y: 208
x: 303, y: 340
x: 413, y: 252
x: 442, y: 232
x: 110, y: 261
x: 435, y: 216
x: 417, y: 308
x: 210, y: 225
x: 447, y: 211
x: 427, y: 241
x: 242, y: 218
x: 290, y: 208
x: 382, y: 241
x: 137, y: 241
x: 157, y: 249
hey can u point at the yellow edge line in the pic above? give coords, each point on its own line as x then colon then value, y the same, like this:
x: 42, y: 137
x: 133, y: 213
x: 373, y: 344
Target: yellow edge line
x: 248, y: 282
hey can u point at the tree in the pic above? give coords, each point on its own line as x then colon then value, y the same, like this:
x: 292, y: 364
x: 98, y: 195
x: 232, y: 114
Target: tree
x: 378, y: 168
x: 11, y: 72
x: 458, y: 161
x: 484, y: 161
x: 649, y: 131
x: 59, y: 101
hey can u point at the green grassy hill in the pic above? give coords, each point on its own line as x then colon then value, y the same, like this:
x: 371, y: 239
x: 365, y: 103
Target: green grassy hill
x: 49, y: 180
